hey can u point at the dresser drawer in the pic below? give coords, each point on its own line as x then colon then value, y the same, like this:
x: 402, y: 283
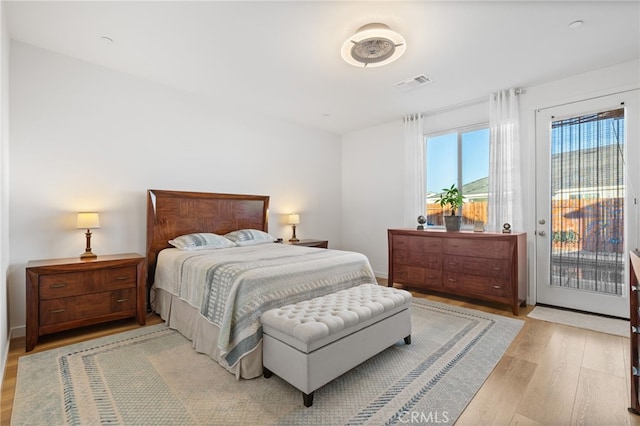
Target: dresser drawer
x: 495, y: 268
x: 56, y: 311
x: 417, y: 243
x: 474, y: 284
x: 424, y: 260
x: 76, y: 283
x: 492, y: 249
x: 420, y: 277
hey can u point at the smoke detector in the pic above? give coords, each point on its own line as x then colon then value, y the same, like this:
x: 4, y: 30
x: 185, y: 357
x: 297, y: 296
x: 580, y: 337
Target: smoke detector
x: 373, y: 45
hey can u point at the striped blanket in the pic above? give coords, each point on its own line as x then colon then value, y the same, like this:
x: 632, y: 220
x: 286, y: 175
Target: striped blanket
x: 233, y: 286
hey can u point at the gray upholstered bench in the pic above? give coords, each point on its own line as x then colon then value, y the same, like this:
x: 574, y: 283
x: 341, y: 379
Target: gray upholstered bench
x: 312, y: 342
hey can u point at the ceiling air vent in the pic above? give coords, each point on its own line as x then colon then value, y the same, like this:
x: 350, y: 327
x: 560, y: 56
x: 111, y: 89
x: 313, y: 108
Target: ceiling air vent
x: 413, y: 83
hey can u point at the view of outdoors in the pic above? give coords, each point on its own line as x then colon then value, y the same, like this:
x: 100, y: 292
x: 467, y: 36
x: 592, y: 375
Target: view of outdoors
x: 460, y: 158
x: 587, y: 205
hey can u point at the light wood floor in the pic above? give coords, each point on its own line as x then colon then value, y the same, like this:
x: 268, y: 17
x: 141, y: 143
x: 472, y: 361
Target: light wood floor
x: 550, y: 375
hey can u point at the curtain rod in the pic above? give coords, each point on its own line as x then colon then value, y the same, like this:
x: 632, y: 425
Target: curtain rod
x: 466, y: 104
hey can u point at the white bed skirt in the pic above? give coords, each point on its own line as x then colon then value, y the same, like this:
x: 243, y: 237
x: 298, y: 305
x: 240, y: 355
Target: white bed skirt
x: 181, y: 316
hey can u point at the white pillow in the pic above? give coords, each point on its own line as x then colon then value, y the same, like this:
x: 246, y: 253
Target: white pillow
x: 249, y: 237
x: 201, y: 241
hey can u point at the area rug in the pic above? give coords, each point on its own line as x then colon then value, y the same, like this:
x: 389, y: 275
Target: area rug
x: 152, y: 376
x: 598, y: 323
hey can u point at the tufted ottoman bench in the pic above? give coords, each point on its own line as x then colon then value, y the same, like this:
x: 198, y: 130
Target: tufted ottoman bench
x: 312, y: 342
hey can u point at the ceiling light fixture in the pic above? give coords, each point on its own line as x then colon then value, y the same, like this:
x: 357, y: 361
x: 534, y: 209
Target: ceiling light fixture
x: 373, y: 45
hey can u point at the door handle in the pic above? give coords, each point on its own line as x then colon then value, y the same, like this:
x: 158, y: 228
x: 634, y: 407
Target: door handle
x: 542, y: 233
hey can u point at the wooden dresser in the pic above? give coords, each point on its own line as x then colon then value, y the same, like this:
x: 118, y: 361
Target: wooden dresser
x: 482, y: 265
x: 67, y: 293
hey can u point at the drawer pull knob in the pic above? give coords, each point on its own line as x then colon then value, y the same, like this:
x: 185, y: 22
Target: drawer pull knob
x: 497, y: 268
x: 121, y: 300
x: 122, y: 278
x: 497, y: 286
x: 57, y: 311
x: 452, y: 280
x: 59, y: 285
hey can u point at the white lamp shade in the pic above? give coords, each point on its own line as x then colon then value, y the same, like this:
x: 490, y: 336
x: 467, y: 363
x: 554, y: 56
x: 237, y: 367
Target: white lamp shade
x: 294, y: 219
x: 88, y: 220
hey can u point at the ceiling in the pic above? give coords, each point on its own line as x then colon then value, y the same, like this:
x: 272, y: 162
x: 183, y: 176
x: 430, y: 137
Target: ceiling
x: 282, y: 59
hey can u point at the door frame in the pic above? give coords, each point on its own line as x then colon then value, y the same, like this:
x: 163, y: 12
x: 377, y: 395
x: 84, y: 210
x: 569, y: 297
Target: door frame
x: 632, y: 181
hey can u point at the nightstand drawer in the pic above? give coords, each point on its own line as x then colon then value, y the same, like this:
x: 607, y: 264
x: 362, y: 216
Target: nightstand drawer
x: 76, y: 283
x: 115, y: 278
x: 67, y: 309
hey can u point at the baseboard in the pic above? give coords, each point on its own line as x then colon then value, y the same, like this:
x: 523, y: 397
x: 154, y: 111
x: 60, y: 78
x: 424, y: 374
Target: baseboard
x: 17, y: 332
x: 5, y: 358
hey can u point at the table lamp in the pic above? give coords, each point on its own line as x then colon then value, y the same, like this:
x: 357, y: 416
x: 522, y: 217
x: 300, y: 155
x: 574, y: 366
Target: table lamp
x: 294, y: 219
x: 88, y: 221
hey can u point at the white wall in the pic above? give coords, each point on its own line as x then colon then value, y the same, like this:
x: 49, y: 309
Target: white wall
x: 4, y: 192
x: 373, y: 159
x: 84, y: 137
x: 372, y: 195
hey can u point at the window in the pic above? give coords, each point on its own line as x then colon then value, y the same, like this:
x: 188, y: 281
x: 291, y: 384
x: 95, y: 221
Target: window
x: 459, y: 157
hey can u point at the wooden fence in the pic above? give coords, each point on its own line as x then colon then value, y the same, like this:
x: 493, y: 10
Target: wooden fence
x: 579, y: 225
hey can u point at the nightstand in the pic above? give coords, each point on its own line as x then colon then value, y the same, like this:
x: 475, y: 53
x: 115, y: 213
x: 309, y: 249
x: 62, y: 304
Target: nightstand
x: 68, y: 293
x: 310, y: 243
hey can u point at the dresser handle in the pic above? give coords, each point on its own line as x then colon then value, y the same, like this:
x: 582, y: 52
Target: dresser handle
x: 497, y: 286
x: 452, y: 280
x: 126, y: 277
x: 121, y: 300
x: 57, y: 311
x: 635, y: 329
x: 59, y: 285
x: 497, y: 268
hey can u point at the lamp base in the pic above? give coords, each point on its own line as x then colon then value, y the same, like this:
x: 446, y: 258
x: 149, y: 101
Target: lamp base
x: 293, y: 238
x: 88, y: 256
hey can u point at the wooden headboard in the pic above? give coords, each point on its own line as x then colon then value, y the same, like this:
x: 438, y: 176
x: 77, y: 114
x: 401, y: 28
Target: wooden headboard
x: 174, y: 213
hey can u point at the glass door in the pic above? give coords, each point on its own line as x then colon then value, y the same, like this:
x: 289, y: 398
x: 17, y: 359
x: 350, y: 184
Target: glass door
x: 583, y: 200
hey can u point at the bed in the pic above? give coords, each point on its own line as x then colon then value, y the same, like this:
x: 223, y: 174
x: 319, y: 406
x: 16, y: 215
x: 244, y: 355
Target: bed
x: 215, y: 296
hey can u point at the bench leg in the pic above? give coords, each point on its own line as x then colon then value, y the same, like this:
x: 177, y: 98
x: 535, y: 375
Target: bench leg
x: 407, y: 340
x: 307, y: 399
x: 266, y: 372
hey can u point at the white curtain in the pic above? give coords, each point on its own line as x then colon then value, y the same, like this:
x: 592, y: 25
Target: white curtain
x: 414, y: 177
x: 505, y: 189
